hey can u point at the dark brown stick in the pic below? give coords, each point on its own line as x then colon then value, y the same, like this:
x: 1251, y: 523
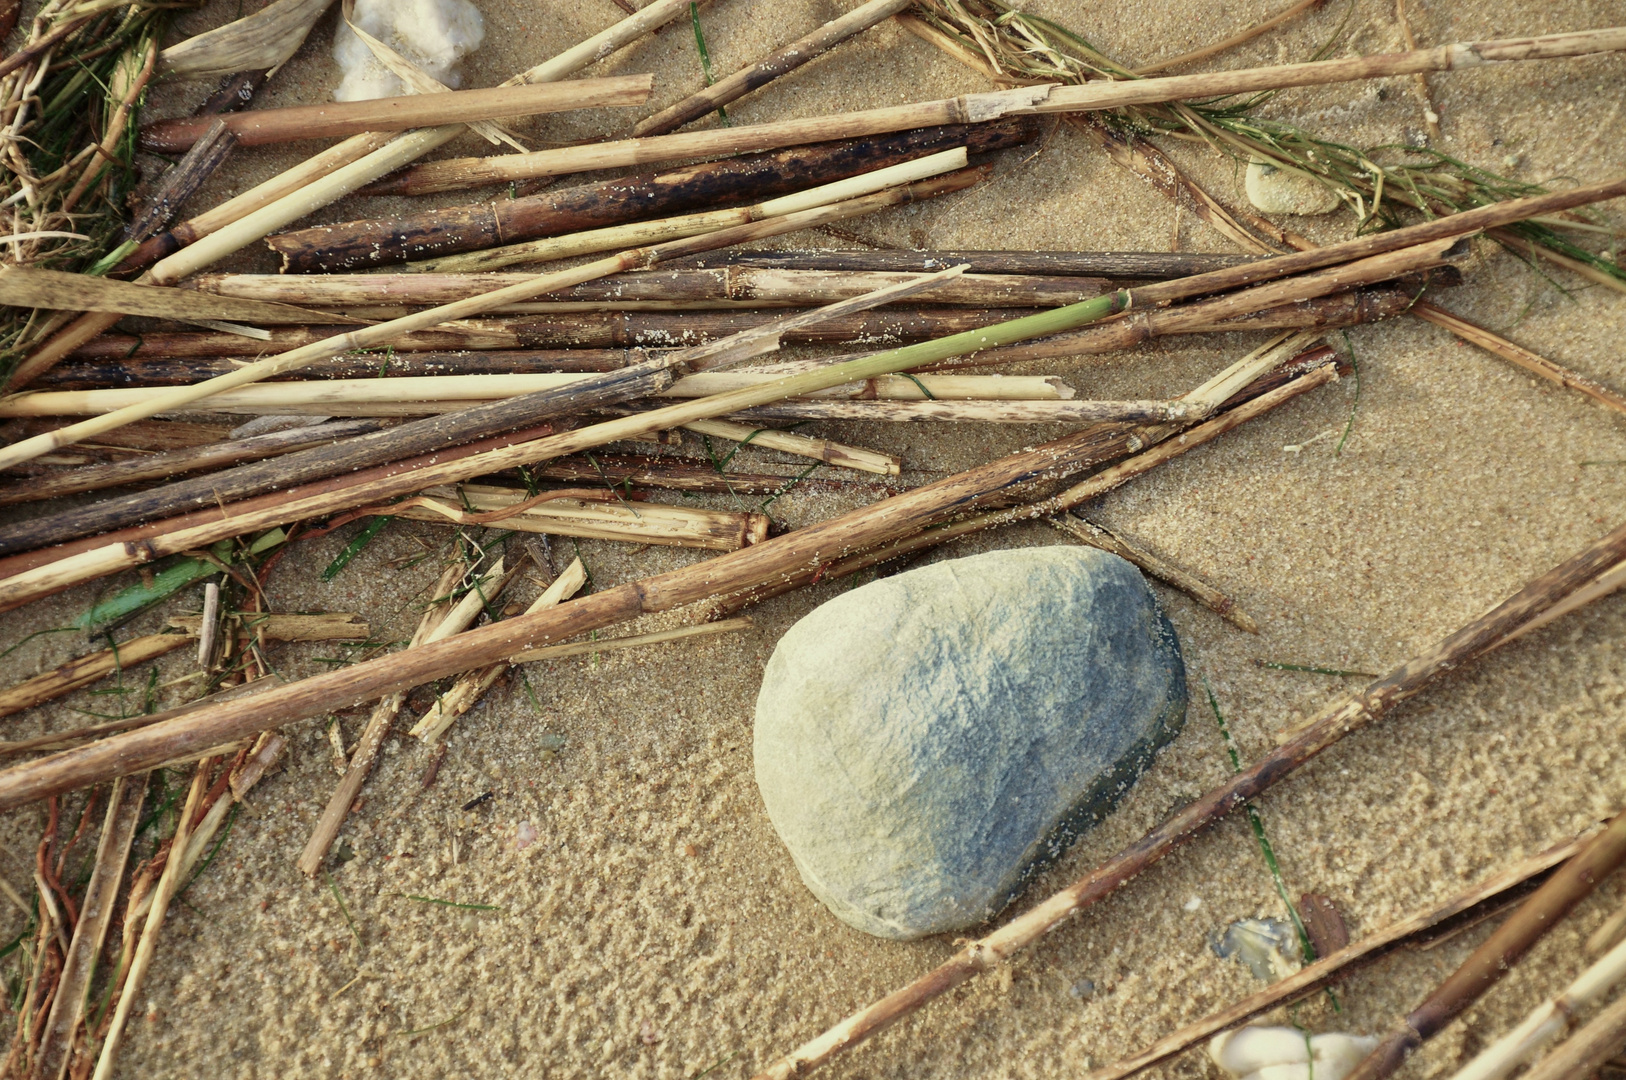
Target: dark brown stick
x: 207, y: 154
x: 1573, y: 882
x: 344, y: 118
x: 176, y: 462
x: 233, y: 93
x: 783, y: 61
x: 432, y: 233
x: 683, y: 474
x: 156, y: 371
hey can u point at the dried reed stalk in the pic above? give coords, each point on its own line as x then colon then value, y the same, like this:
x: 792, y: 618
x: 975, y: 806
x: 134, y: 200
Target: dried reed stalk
x: 675, y: 473
x: 168, y: 882
x: 459, y: 173
x: 973, y: 411
x: 1226, y: 44
x: 778, y: 63
x: 635, y: 641
x: 771, y: 560
x: 1213, y: 599
x: 596, y: 330
x: 440, y: 393
x: 344, y: 118
x: 644, y: 523
x: 35, y: 288
x: 86, y: 670
x: 1588, y: 1050
x: 436, y: 434
x: 262, y: 40
x: 1573, y: 883
x: 472, y: 685
x: 329, y: 176
x: 366, y: 337
x: 831, y: 453
x: 441, y: 619
x: 1154, y: 265
x: 87, y: 564
x: 90, y: 932
x: 175, y: 462
x: 1531, y: 362
x: 427, y: 233
x: 753, y: 286
x: 1312, y: 977
x: 1332, y: 724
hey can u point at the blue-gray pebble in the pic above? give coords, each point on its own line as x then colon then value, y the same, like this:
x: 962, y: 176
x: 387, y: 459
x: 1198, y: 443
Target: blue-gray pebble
x: 927, y: 741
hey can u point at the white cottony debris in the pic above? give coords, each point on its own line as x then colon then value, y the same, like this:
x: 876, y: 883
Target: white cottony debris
x: 1194, y: 903
x: 1284, y: 1053
x: 433, y: 34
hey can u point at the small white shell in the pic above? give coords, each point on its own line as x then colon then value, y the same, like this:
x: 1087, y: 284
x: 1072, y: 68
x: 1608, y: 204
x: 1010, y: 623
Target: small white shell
x: 1283, y: 1053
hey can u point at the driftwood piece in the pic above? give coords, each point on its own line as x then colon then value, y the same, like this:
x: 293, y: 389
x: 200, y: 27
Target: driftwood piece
x: 780, y: 62
x: 427, y: 234
x: 336, y: 119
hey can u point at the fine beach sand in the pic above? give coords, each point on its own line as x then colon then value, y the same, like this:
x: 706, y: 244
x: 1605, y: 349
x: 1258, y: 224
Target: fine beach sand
x: 657, y: 927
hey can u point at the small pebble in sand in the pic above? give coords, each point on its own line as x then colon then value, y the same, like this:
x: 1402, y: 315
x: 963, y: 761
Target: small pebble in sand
x: 1083, y: 988
x: 433, y: 34
x: 924, y: 742
x: 1267, y: 946
x: 1281, y: 191
x: 1284, y: 1053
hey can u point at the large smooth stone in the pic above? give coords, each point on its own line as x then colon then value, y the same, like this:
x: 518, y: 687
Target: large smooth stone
x: 927, y: 741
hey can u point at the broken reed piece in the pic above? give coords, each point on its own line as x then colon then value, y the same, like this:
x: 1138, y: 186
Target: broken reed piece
x: 754, y: 287
x: 1551, y: 1018
x: 780, y: 62
x: 90, y: 931
x: 1439, y: 918
x: 180, y: 183
x: 422, y: 234
x: 641, y: 233
x: 85, y: 670
x: 1546, y: 907
x: 444, y: 617
x: 603, y: 519
x: 1097, y: 536
x: 1538, y: 365
x: 168, y: 885
x: 436, y: 434
x: 334, y: 119
x: 329, y: 176
x: 175, y: 462
x: 443, y: 393
x: 754, y: 566
x: 989, y: 411
x: 59, y: 291
x: 1588, y: 1050
x: 87, y: 563
x: 459, y: 173
x: 472, y: 685
x: 88, y: 669
x: 790, y: 442
x: 635, y: 641
x: 675, y: 473
x: 382, y: 333
x: 1154, y: 265
x: 1257, y: 29
x: 1332, y: 724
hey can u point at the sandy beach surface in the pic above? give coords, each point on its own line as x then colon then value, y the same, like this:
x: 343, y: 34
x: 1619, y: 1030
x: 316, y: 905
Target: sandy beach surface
x: 657, y: 928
